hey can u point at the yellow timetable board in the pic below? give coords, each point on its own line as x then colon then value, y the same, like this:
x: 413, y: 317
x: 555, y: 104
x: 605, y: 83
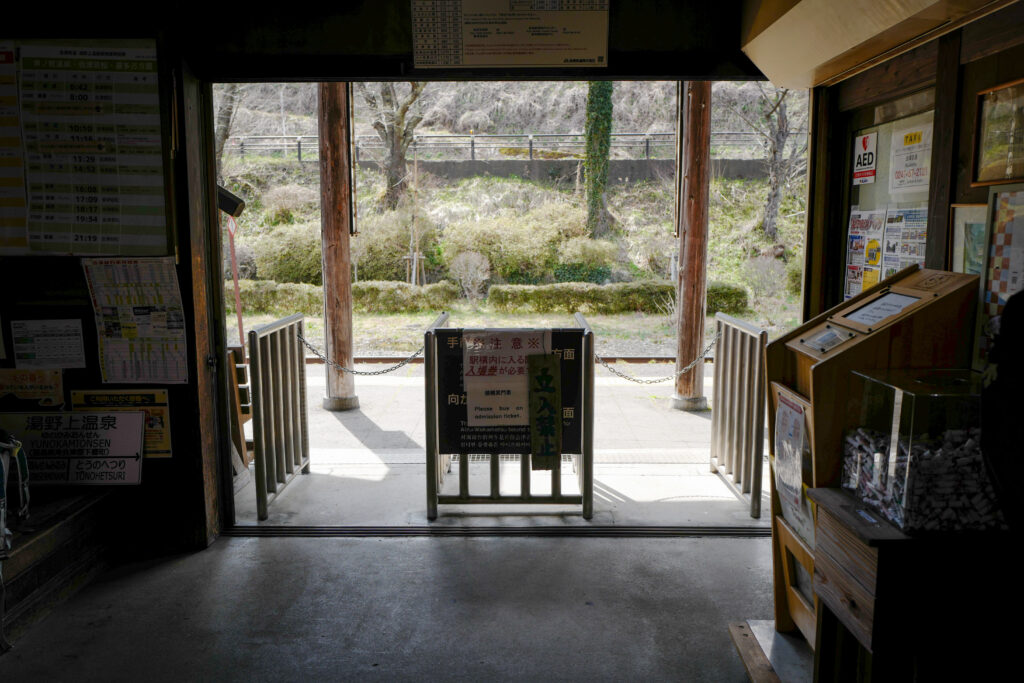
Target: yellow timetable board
x: 153, y: 402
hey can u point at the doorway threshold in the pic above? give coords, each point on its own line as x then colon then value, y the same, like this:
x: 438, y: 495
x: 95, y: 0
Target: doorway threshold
x: 534, y: 531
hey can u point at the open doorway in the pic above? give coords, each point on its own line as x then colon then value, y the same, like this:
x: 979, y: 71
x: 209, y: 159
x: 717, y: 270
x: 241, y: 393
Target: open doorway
x: 493, y: 196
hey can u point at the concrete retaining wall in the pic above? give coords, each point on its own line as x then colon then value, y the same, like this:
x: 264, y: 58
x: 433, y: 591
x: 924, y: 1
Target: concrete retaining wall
x: 551, y: 170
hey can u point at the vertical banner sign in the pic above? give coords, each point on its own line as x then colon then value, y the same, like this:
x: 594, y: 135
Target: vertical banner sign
x: 483, y: 388
x: 80, y: 448
x: 545, y: 410
x: 911, y: 160
x: 864, y: 159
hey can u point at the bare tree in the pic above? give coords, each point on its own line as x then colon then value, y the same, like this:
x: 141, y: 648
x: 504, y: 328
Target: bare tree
x: 768, y: 114
x: 227, y: 97
x: 395, y: 126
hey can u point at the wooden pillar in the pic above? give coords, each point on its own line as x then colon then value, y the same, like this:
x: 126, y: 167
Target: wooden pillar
x: 691, y: 282
x: 336, y: 218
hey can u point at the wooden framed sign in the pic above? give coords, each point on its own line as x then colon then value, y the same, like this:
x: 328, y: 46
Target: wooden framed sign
x: 999, y: 135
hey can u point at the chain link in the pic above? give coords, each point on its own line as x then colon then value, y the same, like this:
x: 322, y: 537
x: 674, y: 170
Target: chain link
x: 597, y: 357
x: 353, y: 371
x: 639, y: 380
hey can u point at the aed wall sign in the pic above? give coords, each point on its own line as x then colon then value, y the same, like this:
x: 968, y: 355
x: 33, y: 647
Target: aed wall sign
x: 483, y: 393
x: 864, y: 159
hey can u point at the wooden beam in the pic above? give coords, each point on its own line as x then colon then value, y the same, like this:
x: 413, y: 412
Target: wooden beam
x: 691, y: 282
x: 815, y: 299
x: 945, y: 139
x: 336, y: 217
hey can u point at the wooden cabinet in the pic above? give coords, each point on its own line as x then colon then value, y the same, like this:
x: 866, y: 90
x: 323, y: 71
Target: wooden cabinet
x: 918, y: 318
x: 893, y: 607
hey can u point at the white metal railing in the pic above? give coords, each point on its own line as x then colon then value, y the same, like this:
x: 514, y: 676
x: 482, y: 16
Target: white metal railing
x: 738, y: 407
x: 277, y: 376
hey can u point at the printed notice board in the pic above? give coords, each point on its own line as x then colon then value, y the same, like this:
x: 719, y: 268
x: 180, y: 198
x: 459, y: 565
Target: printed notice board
x: 82, y: 148
x: 80, y: 448
x: 140, y: 321
x: 511, y: 433
x: 153, y: 402
x: 509, y: 33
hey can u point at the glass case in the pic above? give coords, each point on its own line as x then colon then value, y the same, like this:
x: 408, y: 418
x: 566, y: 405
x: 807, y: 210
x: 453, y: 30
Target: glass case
x: 913, y: 450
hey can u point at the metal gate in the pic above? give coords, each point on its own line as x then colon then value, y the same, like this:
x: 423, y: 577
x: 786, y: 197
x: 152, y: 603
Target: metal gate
x: 738, y: 406
x: 277, y: 367
x: 439, y: 463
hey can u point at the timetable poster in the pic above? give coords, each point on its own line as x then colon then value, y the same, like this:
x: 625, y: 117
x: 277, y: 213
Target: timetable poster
x: 912, y: 227
x: 90, y: 125
x: 140, y: 321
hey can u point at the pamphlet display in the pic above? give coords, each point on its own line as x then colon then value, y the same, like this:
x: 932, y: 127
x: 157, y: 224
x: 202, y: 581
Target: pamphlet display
x: 881, y: 243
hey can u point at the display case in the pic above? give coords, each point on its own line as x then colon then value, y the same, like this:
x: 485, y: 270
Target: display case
x: 913, y: 450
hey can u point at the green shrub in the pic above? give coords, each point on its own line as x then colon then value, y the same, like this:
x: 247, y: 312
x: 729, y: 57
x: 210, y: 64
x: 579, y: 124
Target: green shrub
x: 290, y: 253
x: 380, y: 248
x: 288, y: 203
x: 401, y: 297
x: 521, y: 248
x: 731, y: 299
x: 621, y: 297
x: 794, y: 276
x: 581, y: 259
x: 275, y: 298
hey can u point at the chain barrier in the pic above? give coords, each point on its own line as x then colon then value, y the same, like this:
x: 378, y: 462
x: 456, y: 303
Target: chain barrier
x: 353, y: 371
x: 656, y: 380
x: 597, y: 357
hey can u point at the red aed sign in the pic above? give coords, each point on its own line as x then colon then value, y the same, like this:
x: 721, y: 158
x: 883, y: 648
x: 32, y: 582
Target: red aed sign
x: 864, y: 158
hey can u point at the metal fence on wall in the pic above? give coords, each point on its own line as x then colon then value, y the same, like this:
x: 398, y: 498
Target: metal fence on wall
x: 724, y: 144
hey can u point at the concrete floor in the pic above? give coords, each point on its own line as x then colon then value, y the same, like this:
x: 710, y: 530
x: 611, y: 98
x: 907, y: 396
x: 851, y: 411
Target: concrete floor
x: 368, y: 465
x: 402, y: 609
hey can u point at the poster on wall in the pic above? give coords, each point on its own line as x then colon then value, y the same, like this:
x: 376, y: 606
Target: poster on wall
x: 140, y: 321
x: 13, y: 211
x: 1004, y: 264
x: 42, y: 344
x: 90, y: 131
x: 912, y: 225
x: 863, y: 250
x: 152, y: 402
x: 44, y: 386
x: 910, y: 159
x: 864, y: 158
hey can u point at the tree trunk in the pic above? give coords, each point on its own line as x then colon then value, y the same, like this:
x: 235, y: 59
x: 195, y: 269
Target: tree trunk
x: 598, y: 135
x: 777, y: 166
x: 222, y: 123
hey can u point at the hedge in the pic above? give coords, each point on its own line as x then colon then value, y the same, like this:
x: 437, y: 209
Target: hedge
x: 620, y: 297
x: 285, y: 298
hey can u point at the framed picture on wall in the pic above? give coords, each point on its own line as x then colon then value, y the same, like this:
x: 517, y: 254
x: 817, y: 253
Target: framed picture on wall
x: 1003, y: 274
x: 999, y: 135
x: 967, y: 250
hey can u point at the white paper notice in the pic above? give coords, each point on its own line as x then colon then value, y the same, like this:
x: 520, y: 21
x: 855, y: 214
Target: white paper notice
x: 881, y: 308
x: 139, y: 319
x: 495, y: 377
x: 503, y: 33
x: 48, y: 343
x: 911, y: 159
x: 789, y: 447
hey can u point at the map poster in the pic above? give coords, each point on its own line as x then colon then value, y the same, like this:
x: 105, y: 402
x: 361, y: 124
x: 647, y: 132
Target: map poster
x: 140, y: 321
x: 153, y: 402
